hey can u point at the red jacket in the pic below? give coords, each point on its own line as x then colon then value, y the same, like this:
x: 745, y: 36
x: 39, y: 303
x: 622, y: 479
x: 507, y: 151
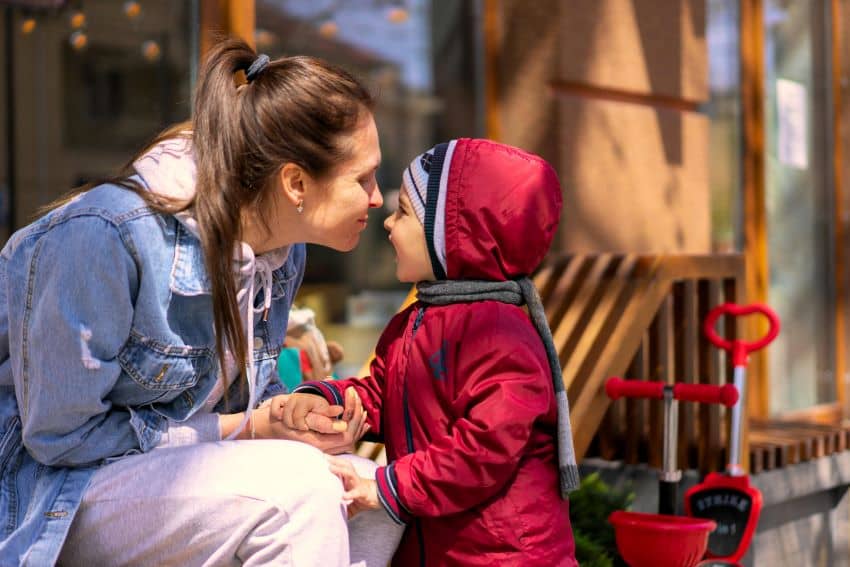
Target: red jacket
x: 462, y: 394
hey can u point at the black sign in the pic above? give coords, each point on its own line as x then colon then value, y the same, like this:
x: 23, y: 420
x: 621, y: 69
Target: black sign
x: 731, y: 509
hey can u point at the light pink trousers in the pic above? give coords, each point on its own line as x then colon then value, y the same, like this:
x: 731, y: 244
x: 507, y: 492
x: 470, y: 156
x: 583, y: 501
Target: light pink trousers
x: 227, y: 503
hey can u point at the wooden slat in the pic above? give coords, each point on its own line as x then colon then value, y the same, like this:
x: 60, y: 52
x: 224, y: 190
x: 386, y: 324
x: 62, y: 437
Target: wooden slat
x: 790, y: 450
x: 545, y: 278
x: 600, y: 309
x: 571, y: 324
x: 636, y: 446
x: 710, y: 370
x: 566, y: 287
x: 660, y: 367
x: 620, y: 345
x: 686, y: 336
x: 601, y: 317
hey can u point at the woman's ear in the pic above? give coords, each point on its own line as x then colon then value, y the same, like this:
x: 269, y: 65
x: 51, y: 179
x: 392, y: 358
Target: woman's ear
x: 293, y: 182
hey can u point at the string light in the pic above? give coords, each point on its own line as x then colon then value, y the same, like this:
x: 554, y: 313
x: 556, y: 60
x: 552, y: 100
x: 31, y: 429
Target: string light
x: 132, y: 10
x: 79, y: 40
x: 264, y: 38
x: 398, y: 15
x: 151, y: 50
x: 77, y: 19
x: 28, y: 25
x: 328, y: 29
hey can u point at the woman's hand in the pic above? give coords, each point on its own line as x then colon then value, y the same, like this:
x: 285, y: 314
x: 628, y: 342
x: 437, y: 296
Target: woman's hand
x: 307, y: 412
x: 337, y: 443
x: 269, y: 424
x: 361, y: 494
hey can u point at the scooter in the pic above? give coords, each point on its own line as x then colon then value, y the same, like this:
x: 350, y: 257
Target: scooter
x: 728, y: 498
x: 665, y: 539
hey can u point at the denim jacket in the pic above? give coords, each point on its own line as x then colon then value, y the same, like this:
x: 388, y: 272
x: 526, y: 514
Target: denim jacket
x: 106, y: 334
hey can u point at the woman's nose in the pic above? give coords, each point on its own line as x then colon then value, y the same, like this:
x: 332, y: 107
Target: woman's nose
x: 376, y: 200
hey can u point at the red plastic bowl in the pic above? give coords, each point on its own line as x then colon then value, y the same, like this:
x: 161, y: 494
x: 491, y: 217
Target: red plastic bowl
x: 656, y: 540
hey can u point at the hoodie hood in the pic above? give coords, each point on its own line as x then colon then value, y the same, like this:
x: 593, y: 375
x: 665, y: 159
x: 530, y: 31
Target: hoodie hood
x: 495, y: 213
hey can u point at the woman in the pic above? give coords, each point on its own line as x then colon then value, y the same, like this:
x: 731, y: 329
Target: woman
x: 143, y: 317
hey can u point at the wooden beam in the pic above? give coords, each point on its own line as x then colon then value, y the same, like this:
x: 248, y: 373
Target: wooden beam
x: 839, y: 218
x: 226, y: 18
x: 755, y: 214
x: 492, y: 67
x: 652, y: 100
x: 241, y: 16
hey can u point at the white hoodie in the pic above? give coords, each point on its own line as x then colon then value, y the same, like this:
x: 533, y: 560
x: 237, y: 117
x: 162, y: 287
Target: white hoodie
x: 168, y: 169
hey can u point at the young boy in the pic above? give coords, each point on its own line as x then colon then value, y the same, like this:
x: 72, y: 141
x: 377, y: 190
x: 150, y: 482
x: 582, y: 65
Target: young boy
x: 465, y: 389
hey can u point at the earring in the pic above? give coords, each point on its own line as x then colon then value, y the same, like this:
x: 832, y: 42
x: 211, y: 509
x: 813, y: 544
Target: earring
x: 300, y: 206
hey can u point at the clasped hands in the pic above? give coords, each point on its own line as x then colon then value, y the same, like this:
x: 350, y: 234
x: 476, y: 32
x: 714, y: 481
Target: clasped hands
x: 311, y: 419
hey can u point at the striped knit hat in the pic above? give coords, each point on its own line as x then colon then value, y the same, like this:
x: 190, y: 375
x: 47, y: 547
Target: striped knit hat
x: 425, y: 181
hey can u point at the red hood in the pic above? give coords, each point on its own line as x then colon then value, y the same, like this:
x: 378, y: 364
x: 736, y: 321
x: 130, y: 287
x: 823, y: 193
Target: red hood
x: 502, y: 210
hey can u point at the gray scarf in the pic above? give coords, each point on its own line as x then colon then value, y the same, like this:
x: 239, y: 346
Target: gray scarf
x: 517, y: 292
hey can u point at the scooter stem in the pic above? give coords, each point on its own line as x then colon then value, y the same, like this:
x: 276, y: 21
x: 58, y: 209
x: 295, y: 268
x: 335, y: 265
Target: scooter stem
x: 734, y: 467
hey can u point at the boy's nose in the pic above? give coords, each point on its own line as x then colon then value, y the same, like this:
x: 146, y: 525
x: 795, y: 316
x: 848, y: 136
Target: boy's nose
x: 388, y: 223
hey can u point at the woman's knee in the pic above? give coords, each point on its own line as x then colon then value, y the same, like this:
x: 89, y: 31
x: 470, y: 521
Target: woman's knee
x: 364, y: 467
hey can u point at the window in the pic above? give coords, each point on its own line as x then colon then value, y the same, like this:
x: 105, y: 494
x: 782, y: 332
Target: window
x: 799, y: 202
x: 89, y: 83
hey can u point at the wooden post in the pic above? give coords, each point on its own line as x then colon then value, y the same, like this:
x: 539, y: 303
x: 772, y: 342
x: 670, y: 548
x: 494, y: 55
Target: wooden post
x: 492, y: 50
x: 224, y: 18
x: 755, y: 215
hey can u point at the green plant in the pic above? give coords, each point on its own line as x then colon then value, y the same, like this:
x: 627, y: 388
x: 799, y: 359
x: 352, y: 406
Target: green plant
x: 590, y: 507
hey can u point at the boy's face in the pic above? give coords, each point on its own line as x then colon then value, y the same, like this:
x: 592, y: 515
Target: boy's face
x: 413, y: 264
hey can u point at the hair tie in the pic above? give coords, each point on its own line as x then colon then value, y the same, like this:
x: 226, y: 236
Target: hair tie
x: 256, y: 67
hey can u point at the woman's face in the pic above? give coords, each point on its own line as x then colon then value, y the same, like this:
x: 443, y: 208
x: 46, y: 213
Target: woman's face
x: 336, y: 208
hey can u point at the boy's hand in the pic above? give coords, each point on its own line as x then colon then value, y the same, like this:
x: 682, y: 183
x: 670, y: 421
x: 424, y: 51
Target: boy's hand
x: 360, y: 493
x: 306, y: 412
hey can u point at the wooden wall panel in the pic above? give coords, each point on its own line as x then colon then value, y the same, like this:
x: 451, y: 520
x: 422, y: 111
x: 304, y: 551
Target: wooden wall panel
x: 635, y: 178
x: 651, y: 47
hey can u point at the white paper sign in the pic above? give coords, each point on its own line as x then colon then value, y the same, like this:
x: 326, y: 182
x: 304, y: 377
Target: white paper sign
x: 791, y: 136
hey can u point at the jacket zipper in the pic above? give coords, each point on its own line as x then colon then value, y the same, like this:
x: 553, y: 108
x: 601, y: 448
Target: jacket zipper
x: 409, y: 433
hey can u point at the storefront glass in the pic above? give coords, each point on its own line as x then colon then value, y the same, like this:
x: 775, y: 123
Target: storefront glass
x: 421, y: 59
x: 85, y: 85
x: 799, y: 202
x: 724, y: 110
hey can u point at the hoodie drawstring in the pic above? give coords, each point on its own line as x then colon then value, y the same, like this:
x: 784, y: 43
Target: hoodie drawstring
x: 261, y: 269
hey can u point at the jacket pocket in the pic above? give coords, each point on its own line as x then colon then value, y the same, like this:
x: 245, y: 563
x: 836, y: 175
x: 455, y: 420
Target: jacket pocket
x: 162, y: 368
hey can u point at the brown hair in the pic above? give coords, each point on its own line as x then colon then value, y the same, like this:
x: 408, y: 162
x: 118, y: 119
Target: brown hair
x: 296, y: 110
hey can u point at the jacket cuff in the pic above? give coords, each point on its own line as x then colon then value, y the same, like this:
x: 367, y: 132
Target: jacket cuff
x: 199, y: 428
x: 320, y: 388
x: 388, y: 494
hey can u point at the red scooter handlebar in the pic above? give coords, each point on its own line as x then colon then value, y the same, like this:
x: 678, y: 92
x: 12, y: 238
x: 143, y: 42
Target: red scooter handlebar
x: 740, y: 349
x: 726, y: 395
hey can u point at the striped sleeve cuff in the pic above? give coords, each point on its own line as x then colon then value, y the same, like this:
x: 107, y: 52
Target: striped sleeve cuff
x: 331, y: 394
x: 388, y: 495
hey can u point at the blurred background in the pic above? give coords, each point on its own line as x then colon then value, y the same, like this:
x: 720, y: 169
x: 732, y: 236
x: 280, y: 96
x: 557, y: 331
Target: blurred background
x: 677, y: 126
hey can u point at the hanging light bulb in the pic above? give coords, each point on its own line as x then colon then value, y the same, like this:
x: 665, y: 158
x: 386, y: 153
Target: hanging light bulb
x: 132, y: 10
x: 328, y: 29
x: 398, y: 15
x: 151, y: 50
x: 28, y: 25
x: 77, y: 19
x: 264, y: 38
x: 79, y: 40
